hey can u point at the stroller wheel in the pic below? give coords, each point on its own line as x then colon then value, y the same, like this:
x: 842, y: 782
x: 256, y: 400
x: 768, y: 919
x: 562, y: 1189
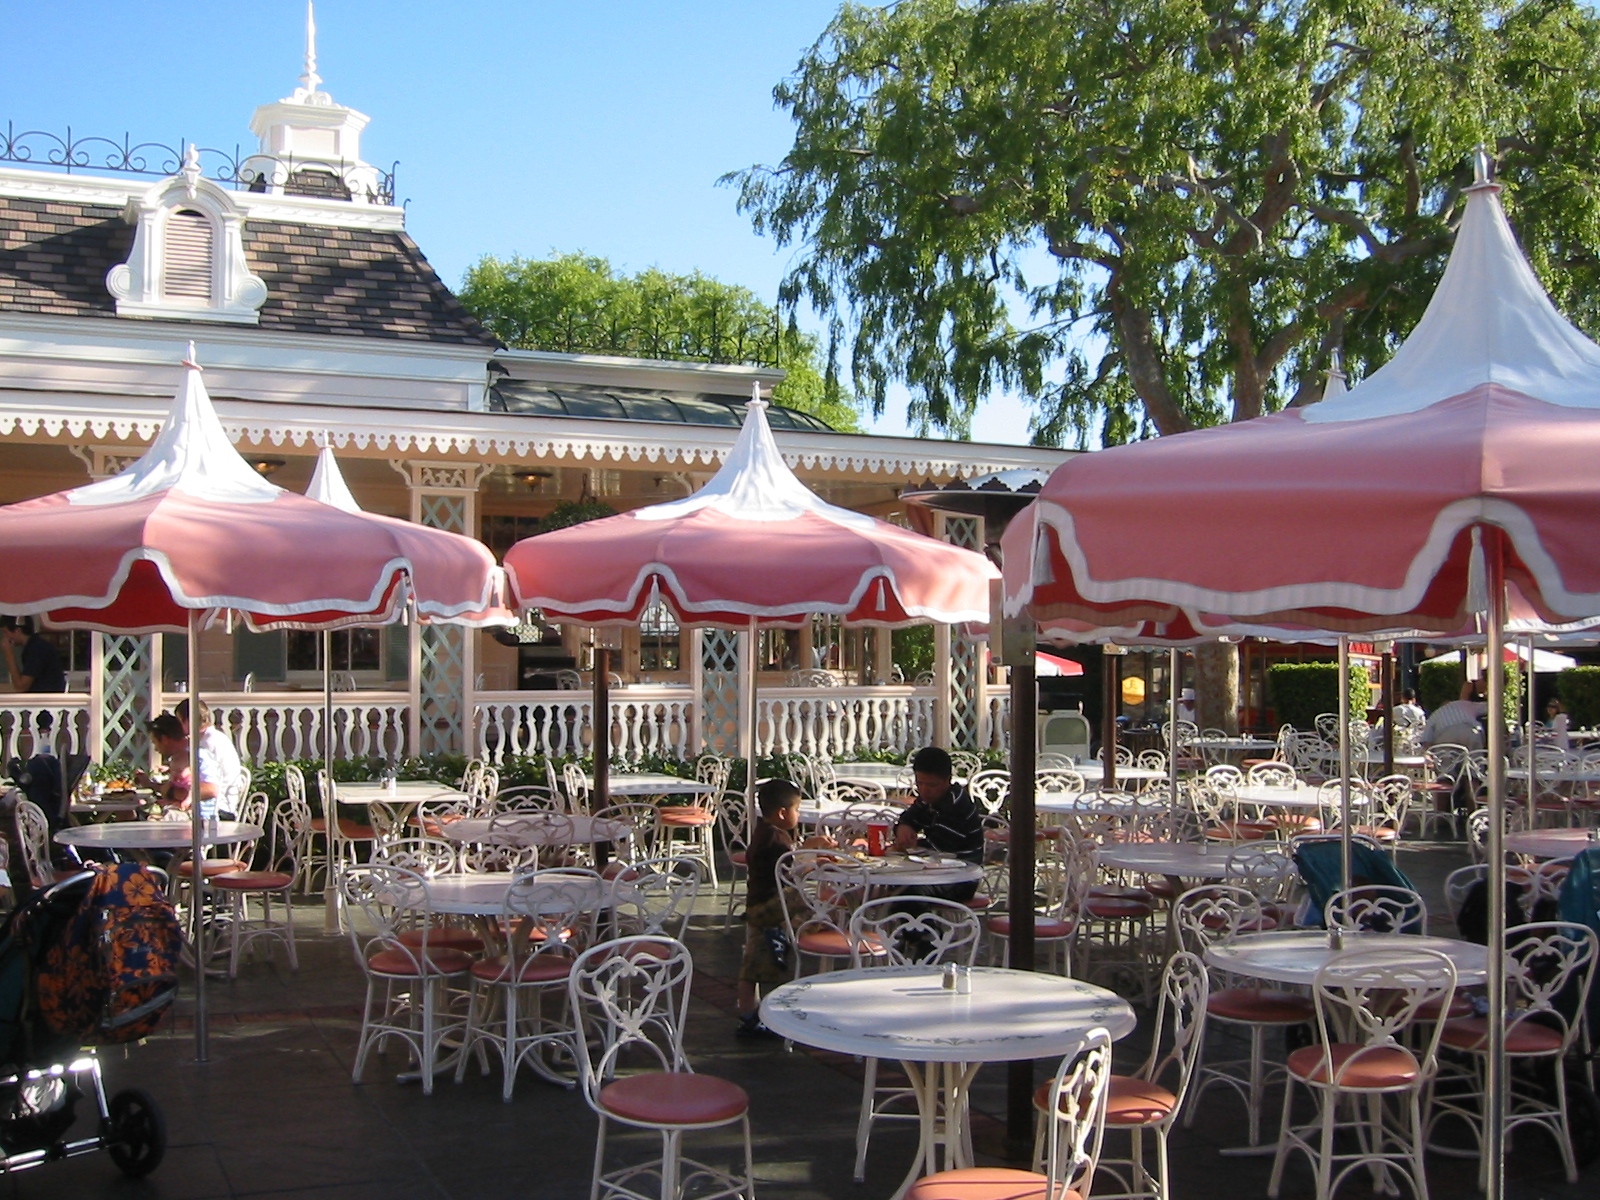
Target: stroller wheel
x: 138, y: 1138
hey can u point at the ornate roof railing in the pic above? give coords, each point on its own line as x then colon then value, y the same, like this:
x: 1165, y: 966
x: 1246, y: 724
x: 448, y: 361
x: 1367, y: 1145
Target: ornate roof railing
x: 247, y: 171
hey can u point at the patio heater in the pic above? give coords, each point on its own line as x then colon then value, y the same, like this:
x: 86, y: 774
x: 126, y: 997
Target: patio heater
x: 996, y: 499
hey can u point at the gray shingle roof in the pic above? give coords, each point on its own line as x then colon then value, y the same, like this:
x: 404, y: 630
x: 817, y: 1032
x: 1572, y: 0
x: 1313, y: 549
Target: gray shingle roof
x: 352, y: 282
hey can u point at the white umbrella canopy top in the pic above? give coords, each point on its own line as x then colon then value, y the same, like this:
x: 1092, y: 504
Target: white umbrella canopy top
x: 755, y: 545
x: 1365, y: 511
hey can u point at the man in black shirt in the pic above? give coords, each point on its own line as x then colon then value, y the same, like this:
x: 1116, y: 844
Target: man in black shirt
x: 38, y: 669
x: 943, y: 817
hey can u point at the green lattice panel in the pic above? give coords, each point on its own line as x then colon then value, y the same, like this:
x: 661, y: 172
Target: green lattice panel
x: 966, y: 663
x: 719, y: 721
x: 126, y: 697
x: 443, y: 688
x: 445, y: 512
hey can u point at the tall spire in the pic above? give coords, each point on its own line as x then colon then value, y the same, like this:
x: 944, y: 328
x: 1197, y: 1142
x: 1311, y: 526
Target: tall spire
x: 310, y: 81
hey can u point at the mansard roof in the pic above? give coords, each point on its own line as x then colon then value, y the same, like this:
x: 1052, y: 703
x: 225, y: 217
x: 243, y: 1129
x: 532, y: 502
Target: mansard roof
x: 352, y: 282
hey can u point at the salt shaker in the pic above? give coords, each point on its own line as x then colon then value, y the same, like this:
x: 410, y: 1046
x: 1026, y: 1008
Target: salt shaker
x: 949, y: 978
x: 963, y: 981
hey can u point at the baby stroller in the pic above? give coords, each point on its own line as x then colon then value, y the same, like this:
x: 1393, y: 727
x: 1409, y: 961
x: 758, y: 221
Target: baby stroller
x: 44, y: 1075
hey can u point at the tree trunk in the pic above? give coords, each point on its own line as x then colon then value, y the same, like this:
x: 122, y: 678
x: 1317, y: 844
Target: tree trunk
x: 1217, y: 686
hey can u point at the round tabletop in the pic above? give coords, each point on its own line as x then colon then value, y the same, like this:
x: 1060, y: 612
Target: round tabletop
x: 1231, y: 743
x: 1556, y: 774
x: 1086, y: 804
x: 484, y: 895
x: 1295, y: 956
x: 90, y: 807
x: 1094, y: 772
x: 1270, y: 795
x: 903, y: 1013
x: 406, y: 791
x: 888, y: 774
x: 536, y: 829
x: 1185, y: 860
x: 920, y: 869
x: 1551, y: 843
x: 651, y: 784
x: 155, y: 835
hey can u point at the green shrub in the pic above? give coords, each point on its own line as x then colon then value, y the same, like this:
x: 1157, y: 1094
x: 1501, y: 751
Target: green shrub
x: 1439, y: 682
x: 1580, y: 693
x: 1301, y: 692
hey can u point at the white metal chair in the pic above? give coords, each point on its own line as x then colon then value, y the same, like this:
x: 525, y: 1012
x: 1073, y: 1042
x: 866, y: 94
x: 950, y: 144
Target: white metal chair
x: 1074, y: 1117
x: 266, y: 886
x: 405, y: 984
x: 893, y: 931
x: 1377, y: 908
x: 548, y: 919
x: 1550, y: 968
x: 1366, y: 1002
x: 656, y: 896
x: 1206, y: 916
x: 1149, y: 1101
x: 630, y: 998
x: 819, y: 890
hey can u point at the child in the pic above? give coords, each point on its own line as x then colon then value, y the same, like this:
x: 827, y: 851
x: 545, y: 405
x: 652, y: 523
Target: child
x: 779, y: 802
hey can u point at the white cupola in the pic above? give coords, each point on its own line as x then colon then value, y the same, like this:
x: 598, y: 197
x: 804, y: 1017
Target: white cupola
x: 306, y: 135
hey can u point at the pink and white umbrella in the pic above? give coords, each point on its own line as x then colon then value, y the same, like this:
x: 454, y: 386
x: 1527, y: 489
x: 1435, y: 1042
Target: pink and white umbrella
x: 753, y: 547
x: 1461, y: 467
x: 191, y: 531
x: 753, y: 544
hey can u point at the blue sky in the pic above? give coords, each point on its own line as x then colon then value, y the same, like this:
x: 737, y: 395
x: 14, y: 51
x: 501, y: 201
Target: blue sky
x: 519, y: 127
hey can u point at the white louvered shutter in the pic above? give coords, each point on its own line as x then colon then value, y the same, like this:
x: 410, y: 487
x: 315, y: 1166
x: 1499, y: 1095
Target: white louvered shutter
x: 187, y: 262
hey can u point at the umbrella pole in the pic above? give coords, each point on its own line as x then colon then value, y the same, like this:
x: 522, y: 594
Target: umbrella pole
x: 1344, y: 762
x: 747, y: 725
x: 1110, y: 669
x: 1533, y: 709
x: 1388, y: 712
x: 1173, y: 663
x: 331, y: 917
x: 1020, y: 854
x: 1495, y: 1081
x: 601, y: 795
x: 197, y: 878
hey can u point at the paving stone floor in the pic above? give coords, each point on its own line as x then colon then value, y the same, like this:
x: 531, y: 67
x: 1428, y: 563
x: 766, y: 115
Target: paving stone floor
x: 275, y: 1114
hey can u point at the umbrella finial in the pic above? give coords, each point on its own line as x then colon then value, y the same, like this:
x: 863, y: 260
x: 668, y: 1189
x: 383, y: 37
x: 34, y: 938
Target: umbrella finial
x: 192, y: 360
x: 755, y: 394
x: 1482, y: 169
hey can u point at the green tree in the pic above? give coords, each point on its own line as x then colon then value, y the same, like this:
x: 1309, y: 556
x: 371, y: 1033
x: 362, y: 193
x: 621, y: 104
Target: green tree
x: 577, y: 303
x: 1148, y: 215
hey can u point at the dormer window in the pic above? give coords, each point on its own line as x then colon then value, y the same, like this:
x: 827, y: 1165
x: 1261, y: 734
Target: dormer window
x: 187, y: 261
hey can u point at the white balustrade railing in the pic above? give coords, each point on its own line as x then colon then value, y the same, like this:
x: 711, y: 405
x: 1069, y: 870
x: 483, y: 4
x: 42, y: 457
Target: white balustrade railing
x: 840, y: 722
x: 59, y: 720
x: 997, y: 702
x: 835, y: 722
x: 278, y: 726
x: 644, y: 720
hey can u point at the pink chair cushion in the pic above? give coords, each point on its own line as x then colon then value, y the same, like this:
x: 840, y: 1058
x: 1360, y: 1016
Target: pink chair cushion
x: 1044, y: 928
x: 1261, y: 1006
x: 210, y: 867
x: 541, y: 968
x: 674, y: 1098
x: 834, y: 944
x: 252, y: 881
x: 1129, y: 1100
x: 1377, y: 1067
x: 443, y: 961
x: 987, y: 1183
x: 686, y: 814
x: 445, y: 937
x: 1112, y: 908
x: 1525, y: 1037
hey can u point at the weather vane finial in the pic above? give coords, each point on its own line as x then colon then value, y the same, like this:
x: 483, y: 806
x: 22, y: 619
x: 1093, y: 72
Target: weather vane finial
x: 311, y: 80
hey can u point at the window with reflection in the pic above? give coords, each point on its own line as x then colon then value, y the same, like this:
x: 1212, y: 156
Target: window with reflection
x: 351, y: 649
x: 659, y: 643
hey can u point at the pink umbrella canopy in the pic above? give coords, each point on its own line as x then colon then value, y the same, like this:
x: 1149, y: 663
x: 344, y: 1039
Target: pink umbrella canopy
x: 754, y: 544
x: 1362, y: 512
x: 192, y: 526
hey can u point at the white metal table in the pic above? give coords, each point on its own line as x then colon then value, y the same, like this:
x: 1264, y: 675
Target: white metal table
x: 484, y: 895
x: 1176, y: 860
x: 155, y: 835
x: 405, y: 791
x: 917, y: 869
x: 650, y: 783
x: 1088, y: 804
x: 941, y: 1037
x: 536, y: 829
x: 1095, y: 772
x: 1295, y: 956
x: 890, y: 775
x: 1552, y: 843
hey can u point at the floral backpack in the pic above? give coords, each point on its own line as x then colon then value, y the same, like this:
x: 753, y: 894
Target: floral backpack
x: 113, y: 971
